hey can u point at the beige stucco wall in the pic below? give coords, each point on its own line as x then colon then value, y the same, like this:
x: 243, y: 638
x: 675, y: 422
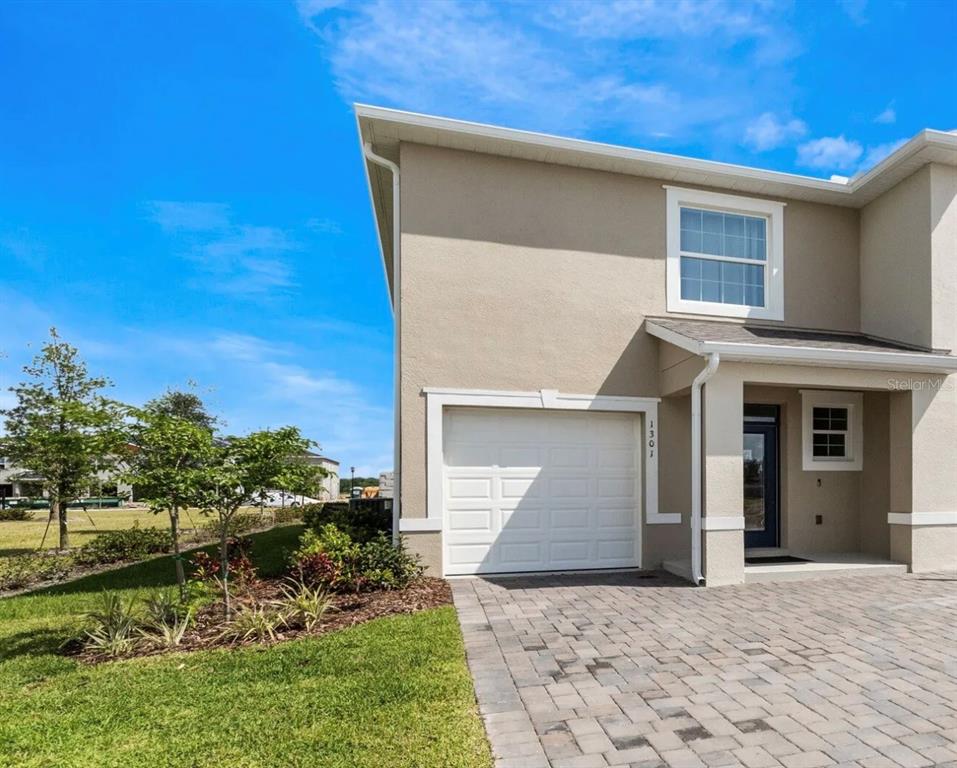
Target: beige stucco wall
x: 672, y: 541
x: 522, y: 276
x: 909, y: 260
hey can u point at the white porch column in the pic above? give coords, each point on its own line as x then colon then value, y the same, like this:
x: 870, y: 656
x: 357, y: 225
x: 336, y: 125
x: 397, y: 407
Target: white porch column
x: 723, y: 504
x: 923, y: 475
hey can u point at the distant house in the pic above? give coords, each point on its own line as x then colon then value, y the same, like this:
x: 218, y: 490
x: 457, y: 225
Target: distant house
x: 330, y: 483
x: 19, y: 482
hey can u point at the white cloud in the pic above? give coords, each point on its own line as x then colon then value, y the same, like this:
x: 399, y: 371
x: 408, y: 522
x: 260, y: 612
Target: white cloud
x: 768, y: 132
x: 830, y: 152
x: 877, y: 153
x: 651, y: 68
x: 855, y: 10
x: 888, y: 116
x: 236, y: 259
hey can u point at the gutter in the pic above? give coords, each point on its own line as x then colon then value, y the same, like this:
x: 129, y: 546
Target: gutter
x: 372, y: 157
x: 712, y: 361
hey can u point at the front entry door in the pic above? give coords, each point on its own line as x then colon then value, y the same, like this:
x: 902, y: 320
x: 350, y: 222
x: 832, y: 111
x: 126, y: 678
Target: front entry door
x: 761, y: 521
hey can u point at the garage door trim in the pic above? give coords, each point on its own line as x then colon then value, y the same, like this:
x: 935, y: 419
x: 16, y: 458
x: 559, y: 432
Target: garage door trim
x: 438, y: 399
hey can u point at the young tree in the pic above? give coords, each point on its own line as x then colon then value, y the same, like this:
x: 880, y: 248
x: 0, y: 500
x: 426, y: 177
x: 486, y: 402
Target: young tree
x: 183, y: 405
x: 168, y: 464
x: 240, y: 468
x: 62, y: 428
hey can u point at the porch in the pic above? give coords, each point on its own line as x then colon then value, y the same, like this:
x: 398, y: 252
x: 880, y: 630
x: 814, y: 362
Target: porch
x: 812, y: 470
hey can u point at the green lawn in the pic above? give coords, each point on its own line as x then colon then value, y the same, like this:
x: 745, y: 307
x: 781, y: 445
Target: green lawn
x: 393, y: 692
x: 22, y: 536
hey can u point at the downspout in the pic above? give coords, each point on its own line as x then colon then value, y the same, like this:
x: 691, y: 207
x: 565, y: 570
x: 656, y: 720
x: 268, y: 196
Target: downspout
x: 711, y: 366
x: 372, y: 157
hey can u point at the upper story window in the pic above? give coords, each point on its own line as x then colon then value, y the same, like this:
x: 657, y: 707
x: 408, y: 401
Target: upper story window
x: 725, y: 255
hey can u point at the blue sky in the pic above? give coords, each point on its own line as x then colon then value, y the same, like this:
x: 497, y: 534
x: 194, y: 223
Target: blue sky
x: 182, y: 195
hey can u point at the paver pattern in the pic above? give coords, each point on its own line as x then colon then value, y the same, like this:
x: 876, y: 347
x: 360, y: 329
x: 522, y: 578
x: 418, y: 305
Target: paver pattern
x: 633, y: 669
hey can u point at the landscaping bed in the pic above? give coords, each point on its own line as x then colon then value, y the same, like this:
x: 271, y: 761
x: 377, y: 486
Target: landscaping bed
x: 345, y: 610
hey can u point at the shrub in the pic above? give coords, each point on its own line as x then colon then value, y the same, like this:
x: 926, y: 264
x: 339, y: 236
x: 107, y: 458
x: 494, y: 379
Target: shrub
x: 387, y: 565
x: 238, y: 525
x: 132, y: 544
x: 165, y: 621
x: 16, y: 514
x: 302, y: 605
x: 113, y: 625
x: 24, y: 570
x: 285, y: 515
x: 331, y: 559
x: 257, y: 622
x: 206, y: 568
x: 363, y: 522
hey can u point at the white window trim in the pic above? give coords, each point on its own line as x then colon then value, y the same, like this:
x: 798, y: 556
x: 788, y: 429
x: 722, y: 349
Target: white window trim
x: 774, y: 267
x: 821, y: 398
x: 437, y: 400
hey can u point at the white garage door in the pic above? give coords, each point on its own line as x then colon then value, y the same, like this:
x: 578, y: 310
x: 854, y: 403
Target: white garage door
x: 539, y: 490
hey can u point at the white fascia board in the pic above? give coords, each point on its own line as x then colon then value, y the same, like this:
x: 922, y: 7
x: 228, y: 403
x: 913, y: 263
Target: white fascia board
x: 676, y: 162
x: 833, y: 358
x: 375, y: 214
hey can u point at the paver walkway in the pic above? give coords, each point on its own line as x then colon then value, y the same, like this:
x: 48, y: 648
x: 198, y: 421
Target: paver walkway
x: 621, y: 669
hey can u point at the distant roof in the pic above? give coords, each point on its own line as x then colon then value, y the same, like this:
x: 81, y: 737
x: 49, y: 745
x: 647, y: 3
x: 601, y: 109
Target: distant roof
x: 759, y: 343
x: 385, y: 128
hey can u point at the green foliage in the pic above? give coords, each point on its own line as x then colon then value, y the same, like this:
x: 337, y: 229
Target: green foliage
x: 303, y: 605
x: 61, y: 426
x: 183, y: 406
x: 330, y: 559
x: 131, y: 544
x: 112, y: 625
x: 241, y: 469
x: 165, y: 619
x: 238, y: 525
x: 345, y: 483
x: 361, y: 522
x: 16, y: 513
x: 255, y: 622
x: 23, y: 570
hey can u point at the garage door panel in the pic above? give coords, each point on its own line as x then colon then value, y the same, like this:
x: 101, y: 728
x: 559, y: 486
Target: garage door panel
x: 470, y: 520
x: 569, y: 458
x: 522, y: 519
x: 520, y: 456
x: 570, y: 520
x: 570, y: 487
x: 616, y: 458
x: 520, y: 488
x: 557, y: 491
x: 459, y: 454
x: 469, y: 488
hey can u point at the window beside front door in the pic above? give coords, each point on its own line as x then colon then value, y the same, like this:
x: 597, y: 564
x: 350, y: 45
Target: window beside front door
x: 832, y: 430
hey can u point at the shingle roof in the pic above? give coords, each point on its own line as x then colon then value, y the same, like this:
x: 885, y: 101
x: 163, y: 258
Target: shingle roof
x: 798, y: 346
x: 738, y: 333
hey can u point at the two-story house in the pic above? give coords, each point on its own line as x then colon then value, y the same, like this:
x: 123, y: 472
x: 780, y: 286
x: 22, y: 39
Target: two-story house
x: 615, y: 358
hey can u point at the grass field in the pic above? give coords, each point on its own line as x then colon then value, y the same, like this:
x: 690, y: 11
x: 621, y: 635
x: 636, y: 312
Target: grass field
x: 393, y: 692
x: 21, y: 536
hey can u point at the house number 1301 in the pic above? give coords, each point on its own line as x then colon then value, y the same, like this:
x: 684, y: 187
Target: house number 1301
x: 651, y: 438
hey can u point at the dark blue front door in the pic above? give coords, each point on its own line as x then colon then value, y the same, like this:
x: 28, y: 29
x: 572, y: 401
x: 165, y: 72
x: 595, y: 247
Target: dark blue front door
x: 760, y: 477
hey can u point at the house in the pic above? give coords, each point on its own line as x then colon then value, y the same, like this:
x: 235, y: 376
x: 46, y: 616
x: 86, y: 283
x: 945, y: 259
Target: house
x: 614, y: 358
x: 330, y: 482
x: 21, y: 482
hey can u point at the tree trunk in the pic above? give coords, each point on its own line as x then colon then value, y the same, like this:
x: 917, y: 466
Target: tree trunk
x: 177, y: 557
x: 224, y: 561
x: 64, y: 532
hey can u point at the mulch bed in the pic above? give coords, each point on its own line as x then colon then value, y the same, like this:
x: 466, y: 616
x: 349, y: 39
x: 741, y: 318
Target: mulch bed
x: 347, y: 611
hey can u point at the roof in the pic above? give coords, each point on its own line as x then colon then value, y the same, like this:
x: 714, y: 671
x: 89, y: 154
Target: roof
x: 798, y: 346
x: 385, y: 128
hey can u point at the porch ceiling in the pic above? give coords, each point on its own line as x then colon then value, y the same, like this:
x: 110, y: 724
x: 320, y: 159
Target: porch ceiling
x: 796, y: 346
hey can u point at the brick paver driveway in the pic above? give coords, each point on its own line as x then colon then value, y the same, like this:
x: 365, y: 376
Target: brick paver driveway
x: 616, y: 669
